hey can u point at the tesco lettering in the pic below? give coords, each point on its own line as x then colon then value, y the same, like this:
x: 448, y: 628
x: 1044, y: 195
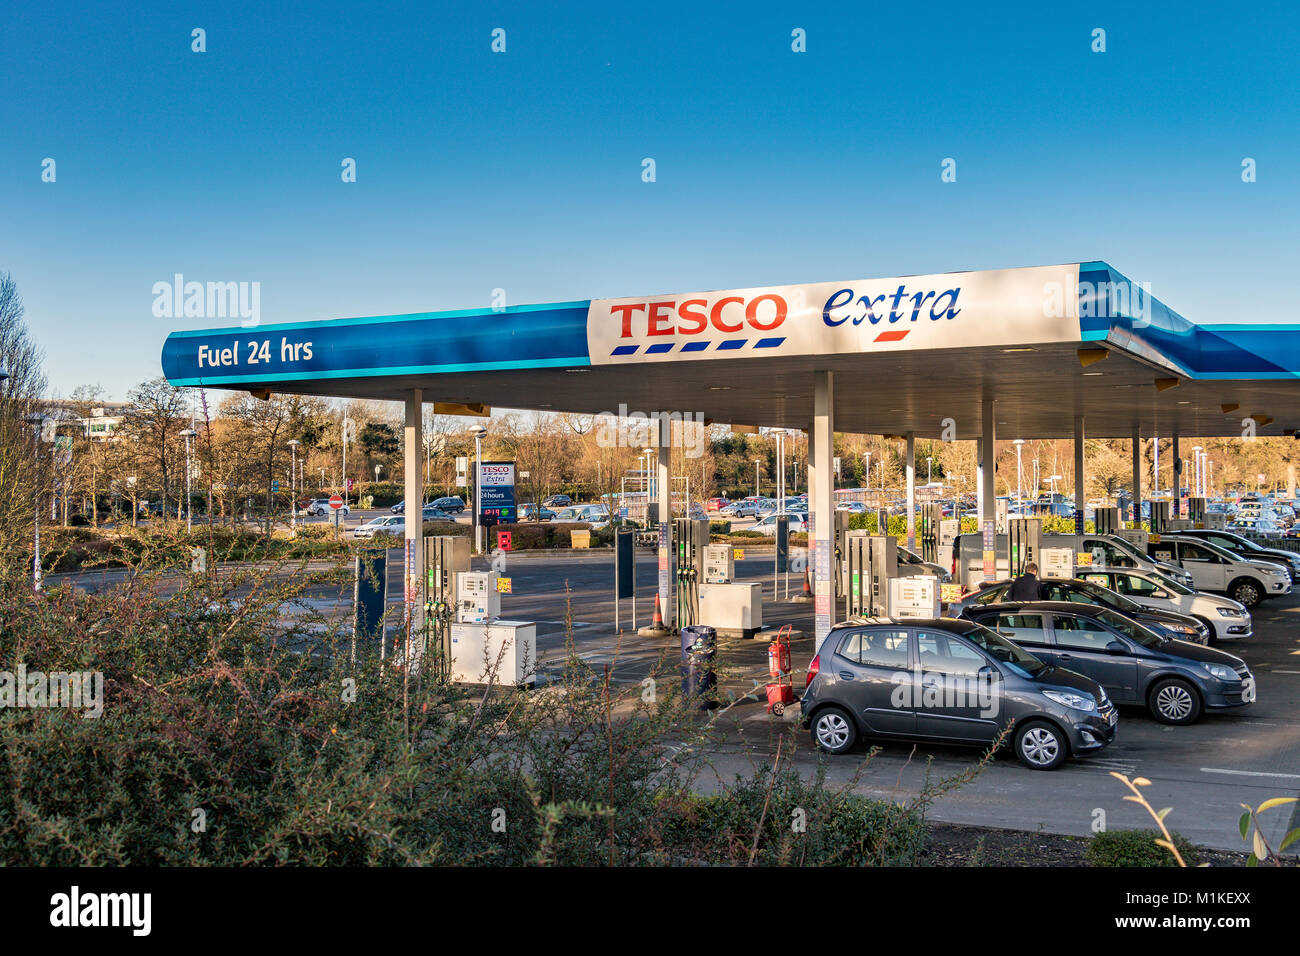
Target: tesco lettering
x: 728, y: 314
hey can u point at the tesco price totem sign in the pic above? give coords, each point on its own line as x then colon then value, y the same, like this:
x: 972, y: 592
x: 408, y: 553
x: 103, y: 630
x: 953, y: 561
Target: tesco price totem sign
x: 496, y: 490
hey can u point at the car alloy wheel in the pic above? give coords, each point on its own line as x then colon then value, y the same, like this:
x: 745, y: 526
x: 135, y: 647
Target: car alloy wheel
x: 1040, y: 747
x: 1246, y: 593
x: 833, y: 731
x: 1175, y: 703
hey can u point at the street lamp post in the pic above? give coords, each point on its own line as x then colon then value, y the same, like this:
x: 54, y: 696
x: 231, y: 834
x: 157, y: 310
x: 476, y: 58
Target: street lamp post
x: 479, y: 432
x: 293, y: 469
x: 1020, y: 484
x: 346, y: 422
x: 929, y: 470
x: 36, y: 421
x: 187, y: 434
x: 757, y: 462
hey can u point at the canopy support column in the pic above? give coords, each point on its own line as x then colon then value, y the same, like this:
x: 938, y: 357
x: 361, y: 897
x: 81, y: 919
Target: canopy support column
x: 987, y: 489
x: 911, y: 491
x: 822, y: 501
x: 1136, y: 496
x: 413, y: 568
x: 1080, y: 501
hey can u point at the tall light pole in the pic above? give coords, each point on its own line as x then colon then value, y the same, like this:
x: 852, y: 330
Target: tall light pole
x: 757, y: 462
x: 187, y: 434
x: 293, y: 468
x: 929, y: 469
x: 36, y: 421
x: 346, y: 422
x: 1020, y: 483
x: 479, y: 432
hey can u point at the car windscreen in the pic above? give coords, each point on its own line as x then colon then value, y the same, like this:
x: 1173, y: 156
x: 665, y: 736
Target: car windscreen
x: 1134, y: 631
x: 1000, y: 649
x: 1168, y: 583
x: 1106, y: 596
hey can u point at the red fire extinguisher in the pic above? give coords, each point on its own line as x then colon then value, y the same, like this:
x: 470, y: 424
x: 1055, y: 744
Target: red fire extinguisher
x: 778, y: 658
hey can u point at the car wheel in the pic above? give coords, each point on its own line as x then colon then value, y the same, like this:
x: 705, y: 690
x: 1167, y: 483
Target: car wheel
x: 833, y: 730
x: 1041, y: 746
x: 1247, y: 591
x: 1174, y: 701
x: 1214, y: 635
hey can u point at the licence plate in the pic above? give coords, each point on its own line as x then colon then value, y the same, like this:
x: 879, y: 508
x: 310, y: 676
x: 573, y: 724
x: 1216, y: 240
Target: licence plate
x: 1113, y: 719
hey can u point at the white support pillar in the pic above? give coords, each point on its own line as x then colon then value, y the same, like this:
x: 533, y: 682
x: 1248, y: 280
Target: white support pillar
x: 911, y: 491
x: 1080, y: 484
x: 664, y: 482
x: 413, y: 567
x: 822, y: 507
x: 987, y: 487
x: 1136, y: 496
x: 1176, y: 456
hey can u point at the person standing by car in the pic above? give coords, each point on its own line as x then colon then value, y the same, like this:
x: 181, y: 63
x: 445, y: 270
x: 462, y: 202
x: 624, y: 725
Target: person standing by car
x: 1027, y: 587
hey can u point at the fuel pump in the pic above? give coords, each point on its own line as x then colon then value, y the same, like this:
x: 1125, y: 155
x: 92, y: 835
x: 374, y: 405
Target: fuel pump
x: 445, y: 557
x: 1159, y: 516
x: 1196, y: 512
x: 1108, y: 520
x: 931, y: 522
x: 1024, y: 543
x: 692, y: 538
x: 870, y: 561
x: 839, y: 570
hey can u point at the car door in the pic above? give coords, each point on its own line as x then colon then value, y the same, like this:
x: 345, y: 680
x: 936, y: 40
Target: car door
x: 1080, y: 644
x: 951, y: 702
x: 1208, y: 570
x: 874, y: 676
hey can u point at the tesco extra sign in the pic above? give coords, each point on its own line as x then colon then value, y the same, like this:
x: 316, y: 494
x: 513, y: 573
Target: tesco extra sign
x: 911, y: 312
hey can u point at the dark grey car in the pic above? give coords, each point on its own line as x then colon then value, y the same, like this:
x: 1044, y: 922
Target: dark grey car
x: 950, y: 681
x: 1175, y: 680
x: 1168, y: 623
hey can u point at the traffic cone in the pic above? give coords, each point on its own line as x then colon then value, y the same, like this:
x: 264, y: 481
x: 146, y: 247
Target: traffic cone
x: 805, y: 596
x: 656, y: 628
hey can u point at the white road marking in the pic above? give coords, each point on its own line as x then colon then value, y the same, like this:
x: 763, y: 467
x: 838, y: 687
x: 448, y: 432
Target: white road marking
x: 1284, y: 672
x: 1251, y: 773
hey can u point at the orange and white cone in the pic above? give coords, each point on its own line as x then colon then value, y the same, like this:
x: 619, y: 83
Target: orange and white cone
x: 656, y: 628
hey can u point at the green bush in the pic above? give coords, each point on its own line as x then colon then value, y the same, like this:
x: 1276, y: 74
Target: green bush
x: 720, y: 527
x: 1137, y: 848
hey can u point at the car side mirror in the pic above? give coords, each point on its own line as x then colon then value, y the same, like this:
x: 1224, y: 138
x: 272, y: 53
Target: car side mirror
x: 1116, y: 647
x: 1162, y: 595
x: 988, y: 674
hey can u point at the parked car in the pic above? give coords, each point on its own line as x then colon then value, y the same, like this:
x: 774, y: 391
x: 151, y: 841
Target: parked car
x: 384, y: 524
x: 453, y: 504
x: 852, y: 507
x: 1228, y: 620
x: 1175, y: 680
x: 557, y: 501
x: 911, y: 563
x: 740, y: 509
x: 400, y: 507
x: 874, y: 679
x: 1213, y: 569
x: 767, y: 525
x: 1113, y: 551
x: 321, y: 506
x: 1083, y: 591
x: 716, y: 504
x: 1243, y: 547
x: 531, y: 512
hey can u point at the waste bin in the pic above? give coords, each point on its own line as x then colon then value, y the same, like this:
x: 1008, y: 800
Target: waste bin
x: 699, y: 648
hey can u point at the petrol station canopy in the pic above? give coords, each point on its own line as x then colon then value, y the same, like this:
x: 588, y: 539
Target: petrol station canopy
x: 1045, y: 344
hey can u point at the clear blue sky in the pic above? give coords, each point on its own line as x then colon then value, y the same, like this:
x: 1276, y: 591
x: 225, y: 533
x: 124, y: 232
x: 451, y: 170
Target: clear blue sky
x: 523, y: 170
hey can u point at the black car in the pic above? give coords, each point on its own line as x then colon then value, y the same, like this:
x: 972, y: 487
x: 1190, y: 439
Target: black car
x: 951, y: 681
x: 452, y: 505
x: 558, y: 501
x: 1169, y: 623
x: 1175, y: 680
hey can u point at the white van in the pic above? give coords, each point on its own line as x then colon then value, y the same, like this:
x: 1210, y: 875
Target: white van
x: 1214, y: 569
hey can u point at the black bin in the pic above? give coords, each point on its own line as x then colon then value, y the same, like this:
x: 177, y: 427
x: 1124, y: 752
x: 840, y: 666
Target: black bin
x: 699, y: 649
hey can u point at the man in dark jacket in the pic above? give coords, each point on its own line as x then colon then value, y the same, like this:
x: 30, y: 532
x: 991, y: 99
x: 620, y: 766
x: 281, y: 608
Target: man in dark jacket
x: 1026, y: 587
